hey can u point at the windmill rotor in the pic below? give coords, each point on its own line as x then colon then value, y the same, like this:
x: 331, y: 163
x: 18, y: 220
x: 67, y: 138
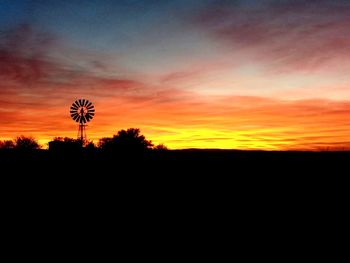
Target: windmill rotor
x: 82, y: 111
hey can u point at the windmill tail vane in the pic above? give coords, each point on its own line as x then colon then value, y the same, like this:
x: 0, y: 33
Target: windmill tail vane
x: 82, y: 111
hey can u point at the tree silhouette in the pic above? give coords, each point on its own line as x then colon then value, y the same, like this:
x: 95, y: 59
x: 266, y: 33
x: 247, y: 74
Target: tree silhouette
x: 126, y: 141
x: 26, y: 143
x: 66, y: 144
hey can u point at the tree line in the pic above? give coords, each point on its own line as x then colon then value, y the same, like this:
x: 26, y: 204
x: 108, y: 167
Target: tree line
x: 130, y: 140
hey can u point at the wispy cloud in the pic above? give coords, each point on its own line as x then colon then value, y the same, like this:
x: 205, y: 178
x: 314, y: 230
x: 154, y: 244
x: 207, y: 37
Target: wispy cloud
x: 287, y: 35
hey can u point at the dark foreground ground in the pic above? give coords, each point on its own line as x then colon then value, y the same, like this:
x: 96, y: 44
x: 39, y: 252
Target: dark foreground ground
x: 208, y: 176
x: 178, y: 173
x: 256, y: 188
x: 177, y: 162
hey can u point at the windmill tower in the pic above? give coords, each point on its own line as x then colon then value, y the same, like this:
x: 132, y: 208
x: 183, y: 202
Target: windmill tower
x: 82, y: 111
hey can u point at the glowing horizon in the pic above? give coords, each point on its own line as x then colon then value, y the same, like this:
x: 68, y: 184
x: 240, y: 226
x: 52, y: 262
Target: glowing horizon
x: 270, y: 75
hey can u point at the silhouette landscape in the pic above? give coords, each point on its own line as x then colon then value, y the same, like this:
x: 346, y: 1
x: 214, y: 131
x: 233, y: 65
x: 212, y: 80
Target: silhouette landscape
x: 214, y: 88
x: 129, y: 152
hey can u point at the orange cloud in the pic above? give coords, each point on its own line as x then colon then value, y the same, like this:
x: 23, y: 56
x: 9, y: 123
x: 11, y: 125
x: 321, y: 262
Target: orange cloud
x: 182, y: 119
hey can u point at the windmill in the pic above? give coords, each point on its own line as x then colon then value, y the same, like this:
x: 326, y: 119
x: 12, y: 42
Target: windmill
x: 82, y: 111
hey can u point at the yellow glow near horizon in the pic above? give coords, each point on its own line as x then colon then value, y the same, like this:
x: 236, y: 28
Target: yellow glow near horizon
x: 253, y: 123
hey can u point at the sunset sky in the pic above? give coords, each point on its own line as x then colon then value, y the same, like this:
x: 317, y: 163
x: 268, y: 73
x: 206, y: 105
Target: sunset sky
x: 241, y: 74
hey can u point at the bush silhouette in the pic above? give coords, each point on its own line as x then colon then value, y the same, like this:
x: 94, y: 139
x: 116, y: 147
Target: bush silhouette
x: 26, y: 143
x: 127, y: 141
x: 90, y: 146
x: 105, y: 143
x: 160, y: 148
x: 7, y: 144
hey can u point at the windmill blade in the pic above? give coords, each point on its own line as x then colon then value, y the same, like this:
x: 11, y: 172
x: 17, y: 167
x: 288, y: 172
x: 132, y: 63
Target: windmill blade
x: 91, y: 110
x: 83, y: 118
x: 73, y: 111
x: 83, y: 103
x: 86, y: 103
x: 90, y: 107
x: 73, y: 107
x: 76, y: 104
x: 80, y: 103
x: 74, y: 114
x: 88, y: 117
x: 91, y: 114
x: 76, y: 118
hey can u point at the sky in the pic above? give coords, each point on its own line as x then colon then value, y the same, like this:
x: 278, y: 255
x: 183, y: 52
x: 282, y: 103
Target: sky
x: 238, y: 74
